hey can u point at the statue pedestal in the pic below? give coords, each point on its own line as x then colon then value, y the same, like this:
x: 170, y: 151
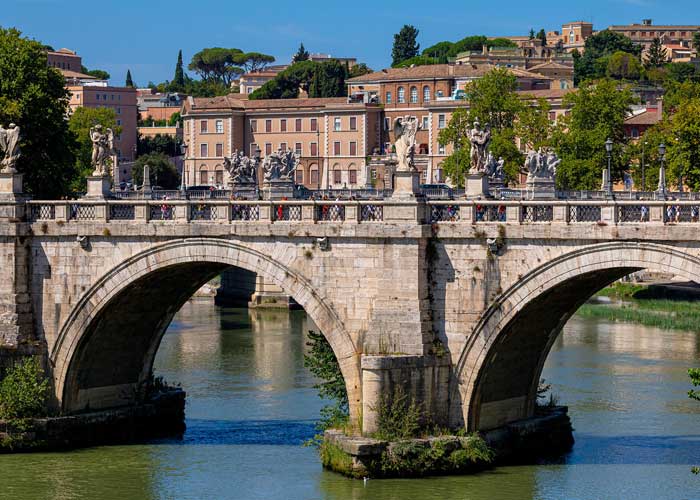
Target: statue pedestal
x: 541, y: 189
x: 98, y: 188
x: 10, y: 185
x: 246, y: 190
x: 406, y: 185
x: 277, y: 189
x: 476, y: 186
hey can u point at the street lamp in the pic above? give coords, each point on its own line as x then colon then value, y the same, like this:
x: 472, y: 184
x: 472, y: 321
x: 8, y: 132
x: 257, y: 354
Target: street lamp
x: 608, y: 179
x: 644, y: 180
x: 256, y: 157
x: 661, y: 190
x: 183, y: 150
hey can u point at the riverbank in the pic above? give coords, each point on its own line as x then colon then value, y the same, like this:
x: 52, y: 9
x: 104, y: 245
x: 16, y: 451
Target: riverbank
x: 548, y: 434
x: 673, y: 306
x: 162, y: 416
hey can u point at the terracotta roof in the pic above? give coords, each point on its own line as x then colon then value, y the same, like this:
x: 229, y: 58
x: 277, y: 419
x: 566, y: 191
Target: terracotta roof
x: 437, y: 71
x: 241, y: 101
x: 644, y: 118
x: 550, y: 65
x: 70, y: 75
x: 545, y: 93
x: 652, y: 27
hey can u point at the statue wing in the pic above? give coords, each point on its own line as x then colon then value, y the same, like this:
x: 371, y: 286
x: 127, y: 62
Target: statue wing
x: 3, y: 140
x: 398, y: 128
x: 110, y: 138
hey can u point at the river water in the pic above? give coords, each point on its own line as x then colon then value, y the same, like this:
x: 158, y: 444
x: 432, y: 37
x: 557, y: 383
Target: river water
x: 251, y: 404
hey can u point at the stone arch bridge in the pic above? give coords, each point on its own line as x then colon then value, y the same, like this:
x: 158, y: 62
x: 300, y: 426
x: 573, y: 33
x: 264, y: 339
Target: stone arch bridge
x: 458, y: 302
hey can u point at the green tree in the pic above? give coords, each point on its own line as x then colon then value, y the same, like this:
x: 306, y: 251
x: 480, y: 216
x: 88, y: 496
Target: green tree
x: 541, y: 35
x: 678, y: 93
x: 166, y: 144
x: 34, y: 96
x: 129, y: 82
x: 80, y: 123
x: 604, y: 43
x: 24, y: 393
x: 598, y: 112
x: 328, y: 80
x: 175, y: 120
x: 419, y: 61
x: 683, y: 143
x: 163, y: 172
x: 405, y: 45
x: 623, y: 66
x: 301, y: 55
x: 216, y: 64
x: 323, y: 364
x: 656, y: 55
x: 532, y: 34
x: 178, y: 83
x: 100, y: 74
x: 439, y: 50
x: 493, y: 99
x: 359, y: 70
x: 253, y: 61
x: 318, y: 79
x: 533, y: 127
x: 682, y: 72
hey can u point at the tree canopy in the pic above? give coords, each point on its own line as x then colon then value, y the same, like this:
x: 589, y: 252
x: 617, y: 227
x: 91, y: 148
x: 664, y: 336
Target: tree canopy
x: 217, y: 64
x: 656, y: 56
x: 178, y: 83
x: 80, y: 122
x: 301, y: 55
x: 442, y: 51
x: 129, y: 81
x: 598, y: 46
x: 34, y: 96
x: 162, y: 172
x: 623, y: 66
x: 318, y: 79
x: 405, y: 45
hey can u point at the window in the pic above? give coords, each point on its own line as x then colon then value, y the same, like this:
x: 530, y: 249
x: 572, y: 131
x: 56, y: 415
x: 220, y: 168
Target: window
x: 253, y: 125
x: 219, y: 177
x: 353, y: 148
x: 314, y: 149
x: 253, y: 148
x: 268, y: 125
x: 373, y: 174
x: 204, y: 150
x: 314, y: 175
x: 388, y: 97
x: 297, y: 148
x: 552, y: 116
x: 283, y: 125
x: 336, y: 124
x: 203, y: 177
x: 219, y: 126
x: 352, y: 176
x: 337, y: 175
x: 336, y: 148
x: 268, y: 149
x: 401, y: 95
x: 387, y: 123
x: 283, y: 146
x: 300, y: 176
x: 414, y: 95
x: 219, y: 150
x: 353, y: 123
x: 314, y: 124
x: 119, y: 122
x: 297, y: 124
x: 203, y: 126
x: 635, y: 132
x: 119, y: 111
x: 426, y: 94
x: 441, y: 149
x: 97, y: 97
x: 441, y: 121
x: 426, y: 122
x: 439, y: 93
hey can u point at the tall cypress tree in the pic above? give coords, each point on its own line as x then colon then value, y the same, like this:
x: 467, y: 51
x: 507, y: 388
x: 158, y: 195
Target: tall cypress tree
x: 656, y: 55
x: 129, y: 81
x: 178, y: 83
x: 301, y: 55
x: 405, y: 46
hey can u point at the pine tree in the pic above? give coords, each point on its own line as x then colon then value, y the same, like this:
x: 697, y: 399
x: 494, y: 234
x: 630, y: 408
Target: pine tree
x: 532, y: 34
x: 405, y: 46
x: 178, y: 82
x: 301, y: 55
x: 129, y: 81
x: 656, y: 55
x: 541, y: 35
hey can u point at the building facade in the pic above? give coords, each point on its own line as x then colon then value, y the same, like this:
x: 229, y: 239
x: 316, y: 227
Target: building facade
x: 643, y: 34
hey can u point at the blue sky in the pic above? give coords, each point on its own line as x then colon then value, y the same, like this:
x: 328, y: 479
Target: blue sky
x: 154, y: 31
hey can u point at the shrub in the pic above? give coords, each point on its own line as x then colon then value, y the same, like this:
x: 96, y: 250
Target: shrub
x: 398, y: 416
x: 23, y: 393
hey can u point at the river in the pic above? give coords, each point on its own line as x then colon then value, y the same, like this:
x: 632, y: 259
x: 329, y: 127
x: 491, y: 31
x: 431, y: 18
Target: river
x: 251, y: 404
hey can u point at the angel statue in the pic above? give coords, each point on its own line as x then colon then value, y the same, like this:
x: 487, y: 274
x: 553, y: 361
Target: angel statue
x: 405, y: 133
x: 480, y: 140
x: 102, y: 150
x: 9, y: 145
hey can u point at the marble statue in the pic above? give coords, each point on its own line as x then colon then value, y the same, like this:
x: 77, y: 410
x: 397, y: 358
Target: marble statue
x: 495, y: 168
x: 102, y: 150
x: 9, y: 145
x: 242, y: 169
x: 280, y: 166
x: 541, y: 165
x: 405, y: 133
x: 480, y: 140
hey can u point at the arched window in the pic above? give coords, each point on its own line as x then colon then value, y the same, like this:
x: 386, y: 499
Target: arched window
x: 337, y: 174
x: 426, y: 94
x: 203, y: 175
x: 352, y: 175
x: 219, y: 175
x: 313, y: 175
x: 401, y: 95
x: 414, y: 95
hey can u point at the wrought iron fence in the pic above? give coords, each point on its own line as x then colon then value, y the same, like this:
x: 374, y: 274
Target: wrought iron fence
x: 122, y: 212
x: 161, y: 212
x: 584, y: 213
x: 327, y: 212
x: 371, y: 213
x: 287, y: 212
x: 42, y: 212
x: 633, y: 213
x: 81, y: 212
x: 490, y: 213
x: 245, y: 212
x: 203, y: 211
x: 537, y: 213
x: 444, y: 213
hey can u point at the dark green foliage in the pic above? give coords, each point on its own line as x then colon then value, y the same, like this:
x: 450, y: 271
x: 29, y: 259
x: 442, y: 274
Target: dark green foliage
x: 682, y: 72
x: 405, y: 45
x: 162, y: 171
x: 34, y: 96
x: 622, y: 66
x: 603, y: 43
x: 129, y: 81
x: 166, y: 144
x: 301, y: 55
x: 318, y: 79
x: 328, y: 80
x: 541, y: 35
x: 178, y: 83
x: 323, y: 364
x: 99, y: 74
x: 656, y: 55
x: 23, y: 393
x: 217, y: 64
x: 419, y: 61
x: 359, y: 70
x: 398, y: 416
x: 442, y: 51
x: 694, y: 374
x: 80, y: 123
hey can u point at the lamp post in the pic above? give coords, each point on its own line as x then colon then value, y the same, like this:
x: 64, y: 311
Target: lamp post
x: 183, y: 184
x: 256, y: 156
x: 644, y: 179
x: 661, y: 190
x: 608, y: 179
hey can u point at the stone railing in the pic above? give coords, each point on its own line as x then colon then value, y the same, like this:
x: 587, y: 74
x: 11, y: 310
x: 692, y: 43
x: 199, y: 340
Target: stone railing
x: 601, y: 212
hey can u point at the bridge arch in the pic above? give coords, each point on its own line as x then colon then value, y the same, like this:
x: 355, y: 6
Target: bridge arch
x: 106, y: 347
x: 499, y: 368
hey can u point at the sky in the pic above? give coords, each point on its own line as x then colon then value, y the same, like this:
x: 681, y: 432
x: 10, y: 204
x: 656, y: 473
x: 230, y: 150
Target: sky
x: 145, y: 35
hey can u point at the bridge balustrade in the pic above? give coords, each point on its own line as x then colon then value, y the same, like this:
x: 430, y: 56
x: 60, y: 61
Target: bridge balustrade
x: 371, y: 213
x: 330, y: 212
x: 287, y: 212
x: 585, y: 213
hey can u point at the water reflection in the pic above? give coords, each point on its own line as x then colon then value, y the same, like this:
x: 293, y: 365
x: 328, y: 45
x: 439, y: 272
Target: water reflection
x: 251, y: 404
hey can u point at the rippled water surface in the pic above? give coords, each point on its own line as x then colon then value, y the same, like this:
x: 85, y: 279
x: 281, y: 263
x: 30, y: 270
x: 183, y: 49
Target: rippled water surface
x: 251, y: 404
